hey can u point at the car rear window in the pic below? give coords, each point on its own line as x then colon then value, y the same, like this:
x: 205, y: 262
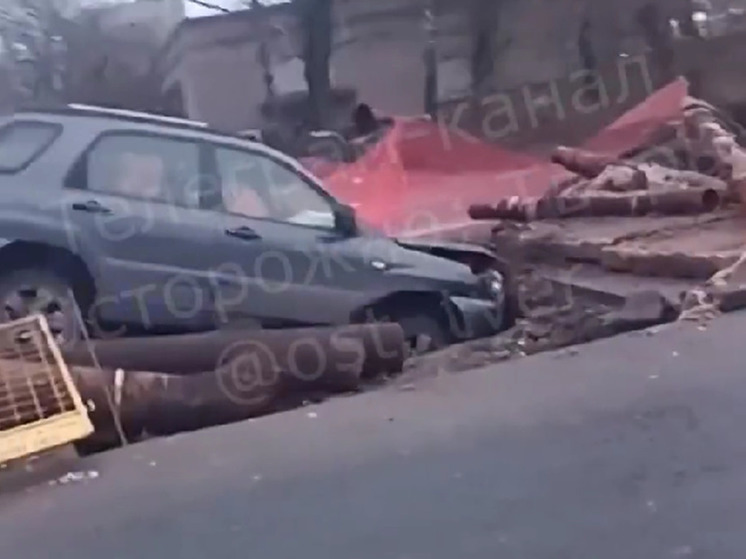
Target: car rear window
x: 22, y: 142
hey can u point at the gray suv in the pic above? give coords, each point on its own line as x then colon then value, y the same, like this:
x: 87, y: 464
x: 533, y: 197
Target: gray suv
x: 152, y: 224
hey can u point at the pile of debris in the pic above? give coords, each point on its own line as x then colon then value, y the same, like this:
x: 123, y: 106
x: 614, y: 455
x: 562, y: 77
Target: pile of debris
x: 670, y: 208
x: 690, y: 166
x: 553, y: 316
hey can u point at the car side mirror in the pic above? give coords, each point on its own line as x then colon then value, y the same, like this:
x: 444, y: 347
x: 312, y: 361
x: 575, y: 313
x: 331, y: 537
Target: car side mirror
x: 345, y: 220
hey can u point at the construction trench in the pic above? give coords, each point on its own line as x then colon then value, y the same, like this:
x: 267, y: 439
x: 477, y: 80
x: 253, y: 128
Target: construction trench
x: 626, y: 242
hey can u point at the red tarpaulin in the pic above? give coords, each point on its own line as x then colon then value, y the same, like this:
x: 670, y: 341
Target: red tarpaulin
x: 637, y: 124
x: 421, y: 176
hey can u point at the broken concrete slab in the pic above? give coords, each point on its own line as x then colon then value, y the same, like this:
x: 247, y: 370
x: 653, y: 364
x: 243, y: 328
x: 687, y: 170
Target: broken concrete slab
x: 698, y: 306
x: 593, y: 233
x: 619, y: 178
x: 675, y: 247
x: 733, y: 275
x: 642, y: 309
x: 661, y: 177
x: 725, y: 291
x: 696, y: 251
x: 580, y: 323
x: 642, y: 261
x: 612, y: 288
x: 562, y: 327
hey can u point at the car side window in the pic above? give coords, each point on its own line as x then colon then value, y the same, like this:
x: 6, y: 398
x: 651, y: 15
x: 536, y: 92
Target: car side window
x: 145, y: 167
x: 254, y: 185
x: 22, y: 142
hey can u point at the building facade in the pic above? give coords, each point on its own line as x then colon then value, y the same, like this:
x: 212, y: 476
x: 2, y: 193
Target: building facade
x: 219, y: 66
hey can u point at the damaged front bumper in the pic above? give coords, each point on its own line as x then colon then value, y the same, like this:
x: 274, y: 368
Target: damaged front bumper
x: 477, y: 318
x: 482, y: 313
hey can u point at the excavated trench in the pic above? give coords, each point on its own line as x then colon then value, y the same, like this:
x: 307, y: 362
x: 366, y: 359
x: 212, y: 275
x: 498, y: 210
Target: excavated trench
x: 551, y: 315
x: 554, y: 315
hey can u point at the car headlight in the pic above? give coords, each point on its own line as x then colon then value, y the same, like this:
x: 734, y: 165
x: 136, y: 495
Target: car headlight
x: 493, y: 284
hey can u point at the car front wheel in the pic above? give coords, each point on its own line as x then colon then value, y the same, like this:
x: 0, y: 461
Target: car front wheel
x: 27, y: 292
x: 424, y: 331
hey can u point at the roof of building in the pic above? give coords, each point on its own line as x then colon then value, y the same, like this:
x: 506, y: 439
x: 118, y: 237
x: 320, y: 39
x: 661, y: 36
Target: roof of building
x: 226, y: 28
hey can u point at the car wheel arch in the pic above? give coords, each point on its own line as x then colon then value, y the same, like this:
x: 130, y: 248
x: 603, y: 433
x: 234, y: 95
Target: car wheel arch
x: 408, y: 303
x: 21, y: 254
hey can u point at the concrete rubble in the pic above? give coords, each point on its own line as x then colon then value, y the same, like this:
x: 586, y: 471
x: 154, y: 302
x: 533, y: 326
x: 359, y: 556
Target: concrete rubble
x: 655, y: 235
x: 555, y: 316
x: 696, y: 170
x: 670, y: 210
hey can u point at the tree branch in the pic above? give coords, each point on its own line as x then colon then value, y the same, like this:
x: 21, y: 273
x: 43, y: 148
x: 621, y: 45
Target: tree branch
x: 210, y: 6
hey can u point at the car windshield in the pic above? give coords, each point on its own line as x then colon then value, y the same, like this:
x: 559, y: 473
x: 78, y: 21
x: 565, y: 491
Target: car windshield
x: 372, y: 279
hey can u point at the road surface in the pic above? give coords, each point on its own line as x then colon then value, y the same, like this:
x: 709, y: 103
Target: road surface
x: 631, y: 448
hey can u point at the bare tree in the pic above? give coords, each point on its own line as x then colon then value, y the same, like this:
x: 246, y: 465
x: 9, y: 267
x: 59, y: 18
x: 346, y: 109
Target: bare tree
x: 431, y: 61
x: 35, y: 34
x: 118, y: 73
x: 317, y: 28
x: 657, y: 34
x: 685, y: 11
x: 487, y: 43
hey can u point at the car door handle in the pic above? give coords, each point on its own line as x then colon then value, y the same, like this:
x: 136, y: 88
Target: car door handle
x: 245, y: 233
x: 91, y: 206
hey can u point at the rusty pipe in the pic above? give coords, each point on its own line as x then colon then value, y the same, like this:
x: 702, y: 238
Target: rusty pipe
x: 670, y: 202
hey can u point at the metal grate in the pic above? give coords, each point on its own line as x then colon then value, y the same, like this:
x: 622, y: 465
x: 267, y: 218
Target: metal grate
x: 40, y: 407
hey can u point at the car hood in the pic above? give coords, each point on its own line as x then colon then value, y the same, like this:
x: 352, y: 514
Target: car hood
x: 416, y: 263
x: 426, y: 245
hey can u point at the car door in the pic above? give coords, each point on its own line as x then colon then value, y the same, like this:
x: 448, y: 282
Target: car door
x: 134, y: 198
x: 281, y: 253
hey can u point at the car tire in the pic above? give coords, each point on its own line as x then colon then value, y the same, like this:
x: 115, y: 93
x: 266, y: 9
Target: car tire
x: 26, y: 291
x: 425, y: 332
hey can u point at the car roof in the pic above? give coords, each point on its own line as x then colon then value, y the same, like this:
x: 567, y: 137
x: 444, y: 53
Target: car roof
x: 135, y: 120
x: 121, y: 119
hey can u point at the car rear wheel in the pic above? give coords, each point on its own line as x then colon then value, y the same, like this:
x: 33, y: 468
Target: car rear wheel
x: 37, y: 291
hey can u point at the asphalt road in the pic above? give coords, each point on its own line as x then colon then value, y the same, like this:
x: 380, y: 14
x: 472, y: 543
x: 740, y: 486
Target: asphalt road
x: 633, y: 448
